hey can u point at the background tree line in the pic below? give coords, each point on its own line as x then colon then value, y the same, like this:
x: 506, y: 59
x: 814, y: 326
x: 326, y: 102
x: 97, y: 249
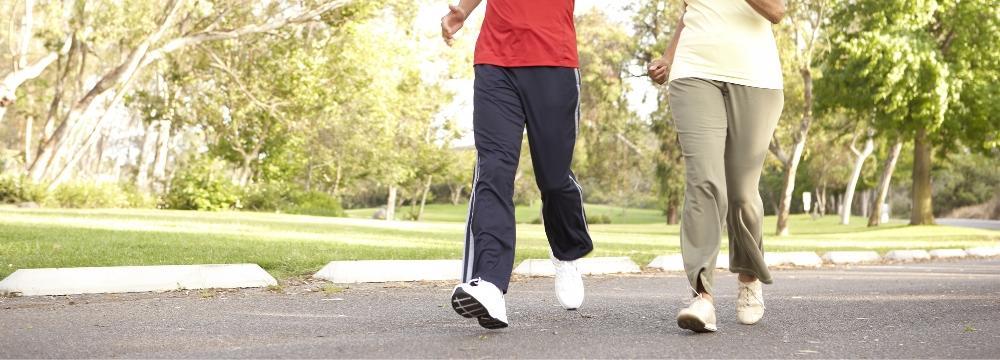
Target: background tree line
x: 310, y: 106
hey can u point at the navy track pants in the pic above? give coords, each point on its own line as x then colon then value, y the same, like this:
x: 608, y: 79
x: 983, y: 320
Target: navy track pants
x: 546, y: 100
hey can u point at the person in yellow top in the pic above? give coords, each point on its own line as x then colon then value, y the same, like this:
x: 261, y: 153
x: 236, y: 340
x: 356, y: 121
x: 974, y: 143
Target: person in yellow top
x: 725, y: 94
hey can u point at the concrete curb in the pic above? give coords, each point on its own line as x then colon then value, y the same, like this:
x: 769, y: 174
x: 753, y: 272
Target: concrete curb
x: 347, y: 272
x: 947, y: 253
x: 800, y: 258
x: 675, y: 262
x: 851, y: 257
x: 590, y: 266
x: 983, y: 251
x: 672, y: 262
x: 124, y: 279
x: 907, y: 255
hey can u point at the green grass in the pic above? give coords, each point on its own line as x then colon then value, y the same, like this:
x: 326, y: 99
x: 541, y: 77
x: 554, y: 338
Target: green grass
x: 292, y: 245
x: 524, y: 214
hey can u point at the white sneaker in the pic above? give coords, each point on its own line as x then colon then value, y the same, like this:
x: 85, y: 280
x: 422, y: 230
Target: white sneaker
x: 482, y: 300
x: 569, y: 283
x: 698, y: 317
x: 750, y: 302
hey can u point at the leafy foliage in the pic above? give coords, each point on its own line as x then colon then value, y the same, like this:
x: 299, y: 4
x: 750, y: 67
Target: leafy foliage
x: 201, y: 185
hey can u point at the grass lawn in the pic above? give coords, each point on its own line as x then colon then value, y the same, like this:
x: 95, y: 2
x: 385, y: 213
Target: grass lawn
x: 524, y: 214
x: 291, y: 245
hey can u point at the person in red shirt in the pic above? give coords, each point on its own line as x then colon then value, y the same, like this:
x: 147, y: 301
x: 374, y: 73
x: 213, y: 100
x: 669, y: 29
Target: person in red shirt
x: 526, y: 77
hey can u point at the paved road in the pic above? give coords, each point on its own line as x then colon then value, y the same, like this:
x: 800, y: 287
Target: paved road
x: 928, y: 310
x: 972, y: 223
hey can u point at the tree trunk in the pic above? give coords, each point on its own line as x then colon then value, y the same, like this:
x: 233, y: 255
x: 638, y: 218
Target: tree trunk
x: 792, y: 165
x: 390, y: 204
x: 456, y: 193
x: 423, y: 198
x: 162, y: 151
x: 336, y: 181
x: 923, y: 152
x: 875, y: 218
x: 840, y: 204
x: 672, y: 214
x: 859, y: 163
x: 821, y: 200
x: 29, y: 124
x: 865, y: 202
x: 784, y: 206
x: 246, y: 170
x: 146, y: 157
x: 309, y: 174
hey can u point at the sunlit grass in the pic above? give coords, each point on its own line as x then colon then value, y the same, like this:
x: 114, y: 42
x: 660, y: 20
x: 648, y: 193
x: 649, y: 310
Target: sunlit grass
x: 290, y: 245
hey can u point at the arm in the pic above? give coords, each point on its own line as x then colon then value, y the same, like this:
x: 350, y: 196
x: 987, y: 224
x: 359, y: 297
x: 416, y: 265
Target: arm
x: 772, y: 10
x: 659, y: 69
x: 453, y: 21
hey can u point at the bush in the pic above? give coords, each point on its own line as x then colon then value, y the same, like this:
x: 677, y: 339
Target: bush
x: 267, y: 197
x: 15, y: 190
x: 90, y: 195
x: 202, y: 185
x: 317, y: 204
x: 139, y: 199
x: 282, y: 197
x: 598, y: 219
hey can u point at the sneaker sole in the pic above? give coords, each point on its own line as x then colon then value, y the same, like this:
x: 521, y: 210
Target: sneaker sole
x: 693, y: 323
x: 467, y: 306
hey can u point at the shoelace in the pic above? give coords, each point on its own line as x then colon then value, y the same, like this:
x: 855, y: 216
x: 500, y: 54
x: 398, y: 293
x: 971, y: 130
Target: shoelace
x: 746, y: 296
x: 697, y: 296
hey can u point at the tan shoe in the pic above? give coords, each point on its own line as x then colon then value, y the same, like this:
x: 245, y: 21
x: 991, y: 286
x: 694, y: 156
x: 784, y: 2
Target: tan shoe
x: 698, y: 317
x: 750, y: 302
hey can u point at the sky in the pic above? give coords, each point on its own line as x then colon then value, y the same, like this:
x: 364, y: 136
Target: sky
x: 460, y: 110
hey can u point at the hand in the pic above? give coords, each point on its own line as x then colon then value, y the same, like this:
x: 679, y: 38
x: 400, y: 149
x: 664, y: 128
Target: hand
x: 451, y: 22
x: 659, y: 70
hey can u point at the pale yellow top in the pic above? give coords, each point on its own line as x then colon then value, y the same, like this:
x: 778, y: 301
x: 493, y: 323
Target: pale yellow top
x: 727, y: 40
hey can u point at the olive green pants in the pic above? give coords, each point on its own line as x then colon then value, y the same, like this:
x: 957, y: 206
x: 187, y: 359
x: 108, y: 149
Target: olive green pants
x: 724, y: 131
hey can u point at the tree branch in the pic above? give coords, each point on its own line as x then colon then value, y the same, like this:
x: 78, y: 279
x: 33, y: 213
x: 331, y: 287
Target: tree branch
x: 777, y: 150
x: 209, y: 35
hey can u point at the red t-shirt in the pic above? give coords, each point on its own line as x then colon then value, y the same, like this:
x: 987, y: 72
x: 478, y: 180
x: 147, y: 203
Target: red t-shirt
x: 528, y: 33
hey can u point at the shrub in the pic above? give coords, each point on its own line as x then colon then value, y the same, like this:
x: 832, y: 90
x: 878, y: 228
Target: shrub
x: 267, y: 197
x: 14, y: 190
x: 202, y: 185
x: 598, y: 219
x: 317, y: 204
x: 89, y: 195
x: 139, y: 199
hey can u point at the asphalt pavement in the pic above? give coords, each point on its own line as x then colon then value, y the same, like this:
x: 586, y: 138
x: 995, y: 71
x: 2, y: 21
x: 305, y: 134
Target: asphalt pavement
x: 920, y: 310
x: 971, y: 223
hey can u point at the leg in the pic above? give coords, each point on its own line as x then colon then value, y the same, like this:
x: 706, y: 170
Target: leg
x: 699, y: 113
x: 551, y: 102
x: 754, y: 114
x: 498, y: 124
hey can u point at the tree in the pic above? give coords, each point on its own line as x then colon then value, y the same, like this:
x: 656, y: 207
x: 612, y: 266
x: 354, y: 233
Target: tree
x: 24, y: 70
x: 806, y: 19
x: 612, y: 147
x: 178, y: 25
x: 654, y: 21
x: 860, y: 155
x: 925, y: 68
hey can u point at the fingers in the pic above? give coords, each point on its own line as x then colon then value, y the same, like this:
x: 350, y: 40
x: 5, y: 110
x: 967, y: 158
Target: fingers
x: 447, y: 33
x: 659, y: 75
x: 451, y: 22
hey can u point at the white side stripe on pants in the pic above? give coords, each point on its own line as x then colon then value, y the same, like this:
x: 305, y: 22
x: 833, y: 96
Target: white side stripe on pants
x: 468, y: 256
x: 582, y: 212
x: 578, y: 95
